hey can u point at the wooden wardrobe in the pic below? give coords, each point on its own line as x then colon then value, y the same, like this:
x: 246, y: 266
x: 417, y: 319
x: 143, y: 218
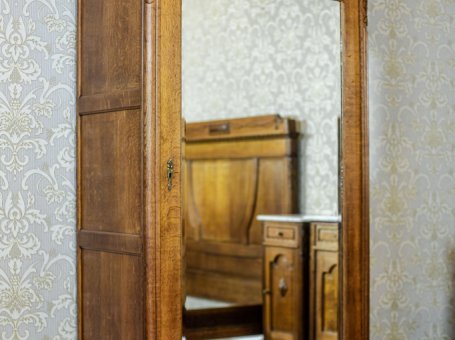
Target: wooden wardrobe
x: 129, y: 209
x: 128, y: 131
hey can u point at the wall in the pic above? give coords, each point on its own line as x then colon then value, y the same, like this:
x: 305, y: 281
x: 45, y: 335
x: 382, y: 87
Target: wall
x: 412, y: 114
x: 412, y: 61
x: 37, y: 194
x: 252, y: 57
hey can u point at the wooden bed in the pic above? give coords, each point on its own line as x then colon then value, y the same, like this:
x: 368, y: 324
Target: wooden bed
x: 234, y: 170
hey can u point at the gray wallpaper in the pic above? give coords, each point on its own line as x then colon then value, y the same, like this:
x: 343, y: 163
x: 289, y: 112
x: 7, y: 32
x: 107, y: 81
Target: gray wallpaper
x: 253, y: 57
x: 412, y: 127
x: 37, y: 186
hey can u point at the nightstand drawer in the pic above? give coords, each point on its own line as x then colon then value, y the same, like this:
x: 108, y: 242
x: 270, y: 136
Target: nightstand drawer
x: 325, y: 236
x: 282, y: 235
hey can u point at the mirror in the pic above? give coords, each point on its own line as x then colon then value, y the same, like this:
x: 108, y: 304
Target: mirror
x: 261, y: 82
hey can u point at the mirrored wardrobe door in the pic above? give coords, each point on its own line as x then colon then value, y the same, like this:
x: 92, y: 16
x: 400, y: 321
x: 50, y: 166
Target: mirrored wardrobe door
x: 259, y: 248
x: 261, y: 100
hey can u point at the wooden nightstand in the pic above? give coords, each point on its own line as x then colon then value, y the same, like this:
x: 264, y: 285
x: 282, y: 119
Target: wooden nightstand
x: 300, y: 277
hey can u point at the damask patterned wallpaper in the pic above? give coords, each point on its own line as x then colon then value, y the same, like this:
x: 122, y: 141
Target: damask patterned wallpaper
x: 412, y: 72
x: 37, y: 186
x: 253, y: 57
x: 412, y: 115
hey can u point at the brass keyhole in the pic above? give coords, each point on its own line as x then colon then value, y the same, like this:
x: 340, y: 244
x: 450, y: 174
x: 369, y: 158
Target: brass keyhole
x: 170, y: 173
x: 283, y: 287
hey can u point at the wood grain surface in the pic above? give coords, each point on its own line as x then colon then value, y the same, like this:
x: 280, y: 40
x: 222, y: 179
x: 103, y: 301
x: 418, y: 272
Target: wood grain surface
x: 354, y: 242
x: 128, y: 127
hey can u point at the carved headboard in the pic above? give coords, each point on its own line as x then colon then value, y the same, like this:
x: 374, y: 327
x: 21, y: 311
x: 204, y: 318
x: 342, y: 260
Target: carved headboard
x: 234, y: 170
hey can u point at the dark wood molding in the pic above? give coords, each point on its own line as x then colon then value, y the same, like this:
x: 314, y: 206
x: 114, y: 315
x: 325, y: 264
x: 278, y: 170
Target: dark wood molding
x: 110, y: 242
x: 162, y: 141
x: 150, y: 169
x: 110, y: 260
x: 128, y: 127
x: 119, y: 100
x: 354, y: 310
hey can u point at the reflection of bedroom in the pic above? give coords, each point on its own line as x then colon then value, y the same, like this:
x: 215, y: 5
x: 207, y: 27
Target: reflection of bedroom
x: 261, y: 99
x: 249, y: 58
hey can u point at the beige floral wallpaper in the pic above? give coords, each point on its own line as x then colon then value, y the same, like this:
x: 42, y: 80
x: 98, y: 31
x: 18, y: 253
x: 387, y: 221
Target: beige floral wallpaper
x: 253, y: 57
x: 412, y: 102
x: 412, y: 114
x: 37, y: 194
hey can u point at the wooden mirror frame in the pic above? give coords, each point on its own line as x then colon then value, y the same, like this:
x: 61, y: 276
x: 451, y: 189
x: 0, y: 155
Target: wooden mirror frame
x: 355, y: 228
x: 158, y: 245
x: 354, y: 306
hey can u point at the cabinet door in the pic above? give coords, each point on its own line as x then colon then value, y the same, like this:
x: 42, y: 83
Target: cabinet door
x: 327, y: 295
x: 324, y: 281
x: 110, y: 161
x: 283, y: 294
x: 128, y: 220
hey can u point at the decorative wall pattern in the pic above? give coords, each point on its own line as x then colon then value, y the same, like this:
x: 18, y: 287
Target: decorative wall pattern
x: 412, y: 132
x: 412, y: 62
x: 37, y: 168
x: 253, y: 57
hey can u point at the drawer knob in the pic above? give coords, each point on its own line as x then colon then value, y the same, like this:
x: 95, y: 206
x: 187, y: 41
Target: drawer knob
x: 280, y: 234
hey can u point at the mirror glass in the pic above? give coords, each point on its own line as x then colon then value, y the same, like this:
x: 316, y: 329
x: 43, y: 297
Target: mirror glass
x: 261, y: 82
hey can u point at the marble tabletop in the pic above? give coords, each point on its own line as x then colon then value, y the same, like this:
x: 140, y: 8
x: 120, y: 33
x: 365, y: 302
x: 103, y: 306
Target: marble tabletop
x: 299, y: 218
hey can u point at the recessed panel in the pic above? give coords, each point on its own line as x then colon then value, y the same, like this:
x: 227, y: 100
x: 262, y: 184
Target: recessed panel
x: 110, y: 46
x: 232, y: 185
x: 112, y: 301
x: 111, y: 165
x: 329, y: 296
x: 281, y: 274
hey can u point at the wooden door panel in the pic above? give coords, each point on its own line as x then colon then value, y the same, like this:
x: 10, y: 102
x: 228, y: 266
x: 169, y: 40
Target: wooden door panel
x: 129, y: 221
x: 110, y: 46
x: 281, y: 273
x: 327, y: 295
x: 111, y: 162
x: 284, y: 300
x: 324, y: 281
x: 110, y: 170
x: 112, y: 307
